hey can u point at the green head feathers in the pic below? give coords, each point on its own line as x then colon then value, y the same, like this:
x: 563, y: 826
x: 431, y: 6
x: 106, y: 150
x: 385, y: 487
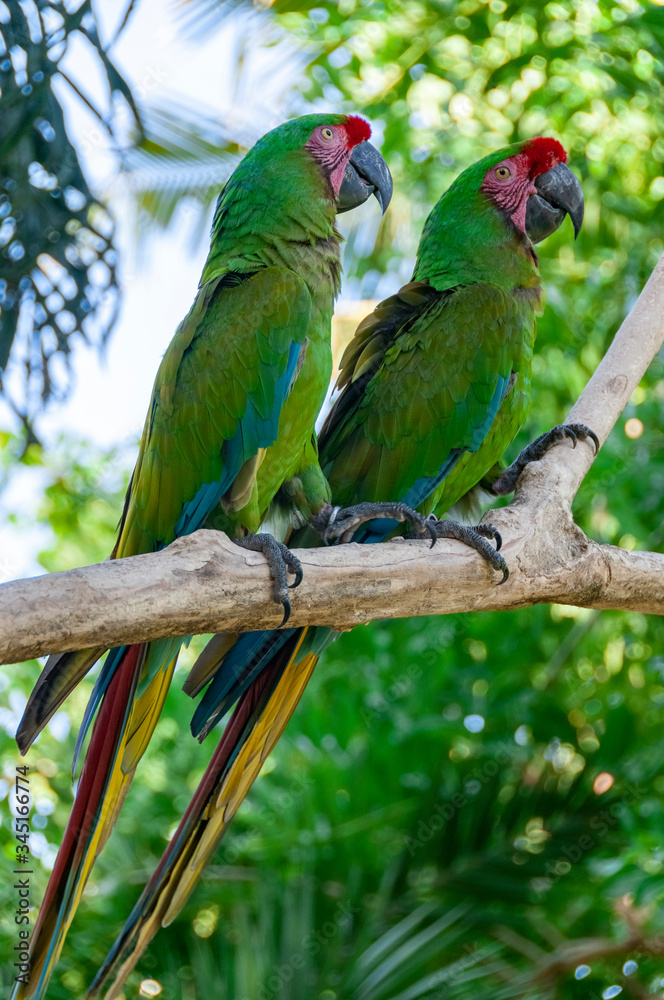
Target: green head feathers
x: 477, y: 230
x: 287, y: 137
x: 284, y: 190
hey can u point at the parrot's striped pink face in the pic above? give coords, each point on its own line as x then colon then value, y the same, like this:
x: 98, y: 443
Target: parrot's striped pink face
x: 331, y: 146
x: 511, y: 182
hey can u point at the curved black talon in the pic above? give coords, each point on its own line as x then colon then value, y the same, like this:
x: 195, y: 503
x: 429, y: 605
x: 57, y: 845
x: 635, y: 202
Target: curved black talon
x: 295, y: 566
x: 476, y: 538
x: 497, y: 562
x: 587, y: 433
x: 425, y: 525
x: 506, y: 482
x: 488, y: 531
x: 575, y: 432
x: 281, y: 561
x: 335, y: 523
x: 287, y: 612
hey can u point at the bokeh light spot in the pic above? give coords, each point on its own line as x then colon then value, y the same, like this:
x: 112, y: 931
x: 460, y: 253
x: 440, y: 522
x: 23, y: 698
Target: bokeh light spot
x: 150, y: 988
x: 602, y: 783
x: 474, y: 723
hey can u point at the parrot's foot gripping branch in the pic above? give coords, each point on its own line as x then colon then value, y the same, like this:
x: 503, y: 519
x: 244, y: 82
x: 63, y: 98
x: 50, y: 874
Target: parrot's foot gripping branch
x: 281, y: 562
x: 341, y: 523
x: 538, y: 449
x: 476, y: 537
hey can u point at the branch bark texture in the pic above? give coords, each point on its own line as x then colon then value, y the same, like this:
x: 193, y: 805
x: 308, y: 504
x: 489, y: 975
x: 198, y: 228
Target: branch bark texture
x: 204, y: 583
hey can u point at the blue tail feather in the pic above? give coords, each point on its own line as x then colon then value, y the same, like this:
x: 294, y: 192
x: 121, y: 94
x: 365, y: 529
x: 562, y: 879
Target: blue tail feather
x: 110, y: 666
x: 232, y: 679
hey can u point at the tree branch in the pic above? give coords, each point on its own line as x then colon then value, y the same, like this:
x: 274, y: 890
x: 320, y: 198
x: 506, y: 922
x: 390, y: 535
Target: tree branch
x: 204, y: 583
x: 618, y: 374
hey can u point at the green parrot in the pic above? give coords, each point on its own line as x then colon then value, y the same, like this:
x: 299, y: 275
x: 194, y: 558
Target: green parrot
x: 230, y: 423
x: 434, y: 386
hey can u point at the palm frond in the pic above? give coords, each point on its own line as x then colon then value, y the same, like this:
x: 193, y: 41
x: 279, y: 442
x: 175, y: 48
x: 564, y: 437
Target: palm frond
x: 188, y: 152
x: 56, y: 238
x: 183, y: 154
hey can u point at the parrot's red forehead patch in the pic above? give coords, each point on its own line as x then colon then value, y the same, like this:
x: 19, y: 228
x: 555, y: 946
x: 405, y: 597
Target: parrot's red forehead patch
x: 357, y: 130
x: 543, y: 154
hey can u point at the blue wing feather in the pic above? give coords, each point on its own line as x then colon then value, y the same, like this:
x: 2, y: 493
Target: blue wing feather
x: 253, y: 432
x: 379, y: 528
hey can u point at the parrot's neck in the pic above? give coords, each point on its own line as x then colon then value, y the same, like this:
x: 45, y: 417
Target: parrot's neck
x: 294, y: 230
x: 466, y: 243
x: 317, y: 262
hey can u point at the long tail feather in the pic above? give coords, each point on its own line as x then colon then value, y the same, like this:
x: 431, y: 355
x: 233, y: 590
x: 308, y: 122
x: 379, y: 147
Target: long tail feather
x: 86, y: 823
x: 120, y: 733
x: 208, y: 662
x: 258, y: 721
x: 244, y: 662
x: 62, y: 673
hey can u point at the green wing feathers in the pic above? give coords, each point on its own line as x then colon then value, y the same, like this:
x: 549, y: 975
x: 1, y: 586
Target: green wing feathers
x: 420, y: 381
x: 231, y: 350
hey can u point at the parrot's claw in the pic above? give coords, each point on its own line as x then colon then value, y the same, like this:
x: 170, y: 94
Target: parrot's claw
x: 281, y: 561
x: 341, y: 523
x: 488, y: 531
x: 476, y: 537
x: 506, y: 483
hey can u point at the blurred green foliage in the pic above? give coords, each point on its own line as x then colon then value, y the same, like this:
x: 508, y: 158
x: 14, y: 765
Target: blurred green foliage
x: 386, y: 843
x: 466, y: 806
x: 445, y: 83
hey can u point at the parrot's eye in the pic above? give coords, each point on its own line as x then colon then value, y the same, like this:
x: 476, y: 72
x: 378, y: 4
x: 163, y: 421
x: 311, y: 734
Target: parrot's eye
x: 327, y: 133
x: 503, y: 173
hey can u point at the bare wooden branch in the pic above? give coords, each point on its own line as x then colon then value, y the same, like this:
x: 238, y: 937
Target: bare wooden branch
x: 204, y: 583
x: 621, y: 369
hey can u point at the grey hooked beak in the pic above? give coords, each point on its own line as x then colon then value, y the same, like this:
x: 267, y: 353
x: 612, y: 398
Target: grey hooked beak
x: 366, y: 173
x: 558, y: 194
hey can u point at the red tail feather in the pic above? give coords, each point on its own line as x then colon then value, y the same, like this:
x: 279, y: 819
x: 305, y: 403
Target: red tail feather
x: 227, y: 744
x: 99, y: 760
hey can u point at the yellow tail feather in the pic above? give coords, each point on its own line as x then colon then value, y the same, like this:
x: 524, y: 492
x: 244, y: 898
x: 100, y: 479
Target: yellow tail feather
x: 243, y: 772
x: 220, y: 808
